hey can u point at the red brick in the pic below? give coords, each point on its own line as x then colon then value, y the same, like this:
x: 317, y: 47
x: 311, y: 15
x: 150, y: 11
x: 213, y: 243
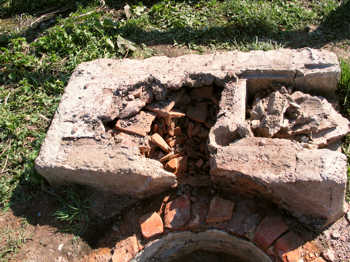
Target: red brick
x: 286, y: 243
x: 151, y: 225
x: 220, y: 210
x: 199, y: 214
x: 271, y: 228
x: 177, y: 213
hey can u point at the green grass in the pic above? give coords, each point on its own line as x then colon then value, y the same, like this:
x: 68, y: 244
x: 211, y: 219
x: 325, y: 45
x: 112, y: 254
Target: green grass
x: 344, y: 92
x: 36, y: 63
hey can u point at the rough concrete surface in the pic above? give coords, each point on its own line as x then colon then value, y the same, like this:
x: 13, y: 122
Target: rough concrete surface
x: 80, y: 148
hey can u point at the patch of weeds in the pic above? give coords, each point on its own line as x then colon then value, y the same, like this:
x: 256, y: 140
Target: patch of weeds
x: 73, y: 211
x: 12, y: 238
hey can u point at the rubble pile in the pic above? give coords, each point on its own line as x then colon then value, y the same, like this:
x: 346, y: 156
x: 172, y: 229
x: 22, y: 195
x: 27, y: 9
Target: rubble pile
x: 297, y: 116
x: 176, y: 130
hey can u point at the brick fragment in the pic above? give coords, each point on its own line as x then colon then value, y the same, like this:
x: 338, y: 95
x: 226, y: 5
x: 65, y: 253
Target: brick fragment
x: 159, y: 141
x: 151, y: 225
x: 177, y: 213
x: 287, y: 247
x: 269, y: 230
x: 220, y: 210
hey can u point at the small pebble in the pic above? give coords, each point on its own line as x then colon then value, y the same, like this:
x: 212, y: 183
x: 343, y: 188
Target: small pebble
x: 329, y: 255
x: 335, y: 235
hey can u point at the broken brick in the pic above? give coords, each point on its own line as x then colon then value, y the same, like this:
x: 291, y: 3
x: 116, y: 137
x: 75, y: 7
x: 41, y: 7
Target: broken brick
x: 159, y: 141
x: 271, y: 228
x: 139, y: 124
x: 286, y: 244
x: 220, y: 210
x: 177, y: 213
x: 151, y: 225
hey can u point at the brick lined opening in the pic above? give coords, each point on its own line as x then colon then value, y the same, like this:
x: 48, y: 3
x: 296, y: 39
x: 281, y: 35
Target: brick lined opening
x: 210, y: 245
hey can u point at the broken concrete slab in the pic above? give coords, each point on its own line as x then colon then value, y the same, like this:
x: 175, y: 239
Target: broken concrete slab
x: 79, y: 147
x: 310, y: 184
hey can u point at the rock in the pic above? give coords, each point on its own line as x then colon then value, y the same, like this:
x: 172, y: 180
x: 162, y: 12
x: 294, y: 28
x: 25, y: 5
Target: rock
x: 77, y: 148
x: 335, y: 234
x: 269, y: 230
x: 298, y: 116
x: 220, y: 210
x: 126, y: 249
x: 139, y: 124
x: 232, y: 109
x: 329, y: 255
x: 151, y: 225
x: 310, y: 184
x: 177, y: 213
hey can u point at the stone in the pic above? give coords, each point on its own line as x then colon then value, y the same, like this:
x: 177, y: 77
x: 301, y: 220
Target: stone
x: 126, y: 249
x: 269, y: 230
x: 220, y: 210
x: 232, y: 109
x: 78, y: 148
x: 139, y: 124
x: 151, y: 225
x: 329, y: 255
x: 159, y: 141
x: 309, y: 183
x: 270, y: 113
x: 198, y: 112
x: 177, y: 213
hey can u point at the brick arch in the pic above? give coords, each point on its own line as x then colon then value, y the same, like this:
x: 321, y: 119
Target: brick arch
x: 175, y: 245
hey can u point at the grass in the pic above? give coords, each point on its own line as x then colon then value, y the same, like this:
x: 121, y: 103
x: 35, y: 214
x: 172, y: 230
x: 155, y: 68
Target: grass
x: 37, y: 59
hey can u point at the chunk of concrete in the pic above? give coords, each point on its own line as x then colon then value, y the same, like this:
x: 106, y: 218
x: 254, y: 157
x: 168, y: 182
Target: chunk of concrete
x: 79, y: 148
x: 298, y: 116
x: 310, y: 184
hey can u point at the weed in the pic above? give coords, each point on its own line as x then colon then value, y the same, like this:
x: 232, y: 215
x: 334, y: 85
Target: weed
x: 73, y: 210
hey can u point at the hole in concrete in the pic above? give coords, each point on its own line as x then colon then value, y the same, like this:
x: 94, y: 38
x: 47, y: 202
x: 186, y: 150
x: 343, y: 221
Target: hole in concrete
x: 178, y: 127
